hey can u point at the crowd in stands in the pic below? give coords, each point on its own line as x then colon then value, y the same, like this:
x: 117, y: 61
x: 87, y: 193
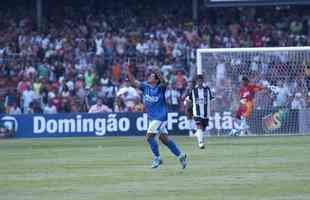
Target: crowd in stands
x: 76, y: 63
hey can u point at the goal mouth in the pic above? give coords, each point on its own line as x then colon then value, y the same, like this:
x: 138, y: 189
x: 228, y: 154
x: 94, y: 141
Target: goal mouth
x: 284, y: 72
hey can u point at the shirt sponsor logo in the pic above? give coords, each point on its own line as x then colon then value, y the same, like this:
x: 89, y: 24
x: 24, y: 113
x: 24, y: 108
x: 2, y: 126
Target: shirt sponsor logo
x: 151, y: 99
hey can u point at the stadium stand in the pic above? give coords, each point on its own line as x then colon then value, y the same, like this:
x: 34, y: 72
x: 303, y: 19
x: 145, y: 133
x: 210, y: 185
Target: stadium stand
x: 81, y: 52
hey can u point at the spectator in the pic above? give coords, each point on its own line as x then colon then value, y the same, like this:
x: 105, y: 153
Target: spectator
x: 89, y: 78
x: 109, y: 91
x: 119, y: 105
x: 99, y: 45
x: 180, y: 81
x: 120, y: 44
x: 298, y: 102
x: 99, y: 107
x: 14, y: 109
x: 34, y: 107
x: 139, y: 107
x: 27, y: 98
x: 282, y: 94
x: 37, y: 86
x: 65, y: 105
x: 129, y: 95
x: 116, y: 71
x: 49, y: 108
x: 23, y: 85
x: 173, y: 98
x: 91, y: 96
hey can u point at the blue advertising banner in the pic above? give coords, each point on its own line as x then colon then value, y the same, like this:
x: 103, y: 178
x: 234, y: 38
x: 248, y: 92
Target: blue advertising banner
x: 85, y: 124
x: 136, y: 124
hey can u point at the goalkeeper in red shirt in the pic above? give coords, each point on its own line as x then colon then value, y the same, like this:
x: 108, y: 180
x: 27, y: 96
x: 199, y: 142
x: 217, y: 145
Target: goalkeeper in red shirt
x: 247, y: 94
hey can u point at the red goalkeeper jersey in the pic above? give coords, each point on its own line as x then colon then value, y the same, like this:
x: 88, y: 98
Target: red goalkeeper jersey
x: 247, y: 92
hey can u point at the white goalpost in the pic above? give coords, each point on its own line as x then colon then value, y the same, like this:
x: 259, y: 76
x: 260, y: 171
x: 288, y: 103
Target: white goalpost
x: 278, y: 109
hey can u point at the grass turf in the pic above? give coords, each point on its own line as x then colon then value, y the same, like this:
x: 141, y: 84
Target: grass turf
x: 273, y: 168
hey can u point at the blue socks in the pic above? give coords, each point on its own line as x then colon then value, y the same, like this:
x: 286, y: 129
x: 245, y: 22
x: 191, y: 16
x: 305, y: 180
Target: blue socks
x: 154, y: 146
x: 170, y: 144
x: 173, y: 148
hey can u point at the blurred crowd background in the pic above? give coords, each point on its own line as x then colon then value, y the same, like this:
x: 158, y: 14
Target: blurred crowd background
x: 76, y: 62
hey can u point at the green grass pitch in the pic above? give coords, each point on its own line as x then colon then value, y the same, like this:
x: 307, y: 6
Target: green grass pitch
x: 118, y: 168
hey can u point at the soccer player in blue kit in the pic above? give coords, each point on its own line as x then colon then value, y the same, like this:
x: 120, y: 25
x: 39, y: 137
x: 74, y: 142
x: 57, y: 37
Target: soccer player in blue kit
x: 155, y: 105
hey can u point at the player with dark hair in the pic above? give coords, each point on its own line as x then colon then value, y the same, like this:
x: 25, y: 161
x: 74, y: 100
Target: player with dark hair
x: 199, y: 99
x: 154, y: 101
x: 247, y: 93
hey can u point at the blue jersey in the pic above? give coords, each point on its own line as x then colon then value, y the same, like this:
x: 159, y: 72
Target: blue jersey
x: 154, y: 101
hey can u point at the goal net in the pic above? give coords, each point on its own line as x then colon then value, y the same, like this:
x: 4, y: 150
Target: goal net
x: 282, y: 71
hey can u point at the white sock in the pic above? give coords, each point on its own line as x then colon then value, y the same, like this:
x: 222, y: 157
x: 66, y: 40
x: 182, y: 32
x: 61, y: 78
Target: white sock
x: 191, y: 127
x: 243, y: 124
x: 191, y: 133
x: 199, y: 135
x: 238, y: 123
x: 192, y: 124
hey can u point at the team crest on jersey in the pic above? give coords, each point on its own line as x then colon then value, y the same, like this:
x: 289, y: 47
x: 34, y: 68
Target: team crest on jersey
x: 151, y: 99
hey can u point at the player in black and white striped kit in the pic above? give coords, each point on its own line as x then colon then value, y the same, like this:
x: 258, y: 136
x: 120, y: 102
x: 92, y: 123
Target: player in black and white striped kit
x: 198, y: 102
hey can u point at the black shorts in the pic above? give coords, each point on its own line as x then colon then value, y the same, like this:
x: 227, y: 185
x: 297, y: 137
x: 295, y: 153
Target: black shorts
x: 202, y: 121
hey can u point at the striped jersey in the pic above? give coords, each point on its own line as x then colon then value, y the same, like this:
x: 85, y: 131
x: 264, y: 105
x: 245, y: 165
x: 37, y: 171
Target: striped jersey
x: 201, y: 99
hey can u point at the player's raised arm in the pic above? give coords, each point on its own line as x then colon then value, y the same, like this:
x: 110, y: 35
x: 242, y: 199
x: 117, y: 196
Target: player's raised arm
x: 163, y: 82
x: 133, y: 81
